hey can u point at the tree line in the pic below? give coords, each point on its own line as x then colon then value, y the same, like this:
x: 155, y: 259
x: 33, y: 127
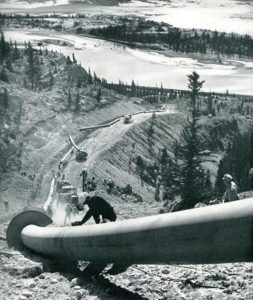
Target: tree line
x: 181, y: 41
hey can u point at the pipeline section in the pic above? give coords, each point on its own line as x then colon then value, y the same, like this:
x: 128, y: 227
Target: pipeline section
x: 216, y: 234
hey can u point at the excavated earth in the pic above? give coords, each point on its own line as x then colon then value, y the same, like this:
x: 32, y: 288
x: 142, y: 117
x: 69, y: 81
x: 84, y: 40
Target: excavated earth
x: 27, y: 276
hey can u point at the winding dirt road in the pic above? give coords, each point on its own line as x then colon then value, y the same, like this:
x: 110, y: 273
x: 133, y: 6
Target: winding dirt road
x: 103, y: 139
x: 99, y: 141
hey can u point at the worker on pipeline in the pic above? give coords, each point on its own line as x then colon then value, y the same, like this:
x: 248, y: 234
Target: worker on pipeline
x: 231, y: 193
x: 99, y: 209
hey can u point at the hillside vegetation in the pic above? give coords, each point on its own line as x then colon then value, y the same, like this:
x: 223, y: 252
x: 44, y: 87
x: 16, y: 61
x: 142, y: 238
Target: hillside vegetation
x: 38, y: 118
x: 46, y: 97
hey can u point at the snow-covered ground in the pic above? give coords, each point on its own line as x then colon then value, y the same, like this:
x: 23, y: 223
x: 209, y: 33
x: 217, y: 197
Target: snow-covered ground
x: 115, y: 62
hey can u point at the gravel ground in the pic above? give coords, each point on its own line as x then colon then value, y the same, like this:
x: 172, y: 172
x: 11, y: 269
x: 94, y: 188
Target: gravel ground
x: 27, y: 276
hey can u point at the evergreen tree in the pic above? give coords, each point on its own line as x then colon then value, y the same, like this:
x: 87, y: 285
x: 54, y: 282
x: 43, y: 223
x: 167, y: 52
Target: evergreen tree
x: 3, y: 75
x: 219, y: 186
x: 194, y: 85
x: 30, y: 69
x: 210, y: 105
x: 140, y: 166
x: 151, y: 128
x: 79, y: 82
x: 3, y: 48
x: 51, y: 79
x: 16, y: 54
x: 157, y: 192
x: 193, y: 177
x: 78, y: 103
x: 68, y: 61
x: 95, y: 77
x: 99, y: 95
x: 5, y: 99
x: 133, y: 88
x: 33, y: 68
x: 37, y: 72
x: 69, y: 99
x: 90, y: 81
x: 164, y: 157
x: 73, y: 58
x: 8, y: 64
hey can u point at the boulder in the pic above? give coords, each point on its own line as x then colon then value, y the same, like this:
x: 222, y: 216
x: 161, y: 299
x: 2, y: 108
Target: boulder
x: 26, y: 293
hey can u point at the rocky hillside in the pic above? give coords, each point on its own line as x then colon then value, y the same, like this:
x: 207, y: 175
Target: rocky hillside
x: 34, y: 130
x: 37, y: 123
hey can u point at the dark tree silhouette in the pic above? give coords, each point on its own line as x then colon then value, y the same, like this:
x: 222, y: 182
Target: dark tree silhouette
x: 193, y: 177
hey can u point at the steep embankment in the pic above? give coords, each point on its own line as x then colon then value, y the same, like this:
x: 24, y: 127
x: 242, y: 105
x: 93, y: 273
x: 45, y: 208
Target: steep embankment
x: 37, y: 123
x: 119, y: 162
x: 113, y: 153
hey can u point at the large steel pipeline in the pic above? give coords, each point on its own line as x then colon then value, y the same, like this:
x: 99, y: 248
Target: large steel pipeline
x: 220, y: 233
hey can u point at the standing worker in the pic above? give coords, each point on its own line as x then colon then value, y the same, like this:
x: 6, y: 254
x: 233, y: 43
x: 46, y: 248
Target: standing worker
x: 93, y: 184
x: 231, y: 193
x: 68, y: 211
x: 84, y: 177
x: 97, y: 207
x: 6, y: 205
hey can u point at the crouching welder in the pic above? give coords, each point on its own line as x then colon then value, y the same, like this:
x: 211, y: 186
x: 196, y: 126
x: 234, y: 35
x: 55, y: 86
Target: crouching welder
x: 97, y: 207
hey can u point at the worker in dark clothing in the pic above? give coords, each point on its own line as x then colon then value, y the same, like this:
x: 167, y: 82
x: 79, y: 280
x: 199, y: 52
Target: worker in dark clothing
x: 97, y: 207
x: 84, y: 175
x: 6, y: 205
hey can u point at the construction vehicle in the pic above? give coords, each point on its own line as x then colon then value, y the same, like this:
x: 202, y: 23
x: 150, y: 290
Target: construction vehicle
x: 163, y: 108
x: 128, y: 119
x: 80, y: 155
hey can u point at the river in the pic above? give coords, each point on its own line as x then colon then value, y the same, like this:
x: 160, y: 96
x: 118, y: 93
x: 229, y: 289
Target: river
x: 115, y: 62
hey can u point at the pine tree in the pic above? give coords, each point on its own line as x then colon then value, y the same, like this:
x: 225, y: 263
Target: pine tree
x: 73, y: 58
x: 210, y: 104
x: 194, y: 85
x: 37, y: 72
x: 5, y: 99
x: 51, y: 79
x: 3, y: 75
x: 99, y: 95
x: 68, y: 61
x: 30, y: 69
x: 151, y: 130
x: 140, y: 166
x: 193, y: 176
x: 16, y: 54
x: 90, y: 81
x: 3, y: 47
x: 133, y: 88
x: 8, y: 64
x: 78, y: 83
x: 219, y: 187
x: 77, y: 103
x: 69, y: 99
x: 164, y: 157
